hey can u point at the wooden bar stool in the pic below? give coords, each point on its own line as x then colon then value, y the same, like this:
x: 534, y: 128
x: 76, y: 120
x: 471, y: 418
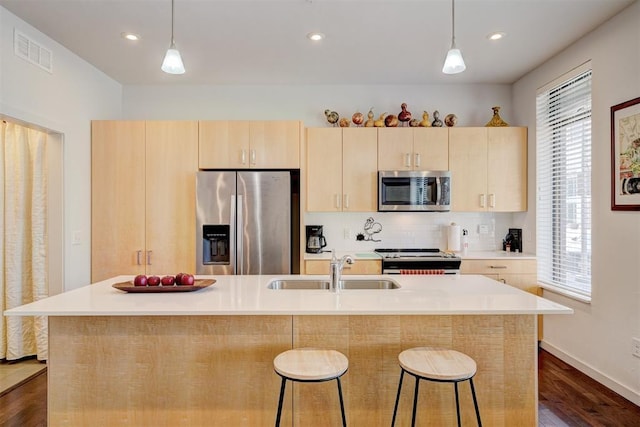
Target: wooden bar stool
x: 310, y: 365
x: 438, y: 365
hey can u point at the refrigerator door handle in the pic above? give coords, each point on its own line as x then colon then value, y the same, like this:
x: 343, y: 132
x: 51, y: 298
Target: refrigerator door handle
x: 233, y: 260
x: 239, y: 239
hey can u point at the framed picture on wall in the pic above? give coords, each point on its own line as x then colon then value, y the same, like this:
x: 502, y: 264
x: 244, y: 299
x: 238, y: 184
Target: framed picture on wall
x: 625, y: 156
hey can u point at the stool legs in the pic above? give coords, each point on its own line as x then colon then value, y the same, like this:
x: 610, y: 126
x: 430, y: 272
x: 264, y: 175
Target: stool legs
x: 344, y: 418
x: 457, y: 403
x: 415, y: 403
x: 282, y: 386
x: 475, y: 402
x: 415, y: 400
x: 281, y: 400
x: 395, y: 408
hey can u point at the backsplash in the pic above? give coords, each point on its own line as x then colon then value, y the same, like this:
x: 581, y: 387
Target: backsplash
x: 409, y: 230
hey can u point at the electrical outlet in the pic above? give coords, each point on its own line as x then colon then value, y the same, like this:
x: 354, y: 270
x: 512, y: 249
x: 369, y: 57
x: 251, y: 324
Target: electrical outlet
x: 635, y: 347
x: 483, y: 229
x: 77, y: 238
x: 347, y: 234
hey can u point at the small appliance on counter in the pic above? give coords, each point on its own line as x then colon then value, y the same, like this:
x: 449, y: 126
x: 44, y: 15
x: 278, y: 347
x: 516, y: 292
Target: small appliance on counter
x: 315, y: 239
x: 513, y: 240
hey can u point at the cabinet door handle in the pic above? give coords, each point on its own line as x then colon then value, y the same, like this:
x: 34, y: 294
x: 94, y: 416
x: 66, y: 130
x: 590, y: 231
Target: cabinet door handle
x: 337, y: 201
x: 243, y: 157
x: 482, y: 201
x: 498, y: 266
x: 503, y: 281
x: 253, y: 157
x: 417, y: 161
x: 346, y: 201
x: 407, y: 160
x: 492, y: 200
x: 149, y: 257
x: 138, y: 253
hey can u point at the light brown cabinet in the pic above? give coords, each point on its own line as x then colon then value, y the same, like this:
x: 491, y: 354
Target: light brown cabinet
x: 488, y: 168
x: 341, y: 168
x: 249, y: 144
x: 358, y: 267
x: 519, y: 273
x: 143, y: 197
x: 413, y: 149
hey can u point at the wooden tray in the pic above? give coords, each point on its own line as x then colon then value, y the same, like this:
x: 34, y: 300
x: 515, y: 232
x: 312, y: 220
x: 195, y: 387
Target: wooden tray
x: 129, y: 287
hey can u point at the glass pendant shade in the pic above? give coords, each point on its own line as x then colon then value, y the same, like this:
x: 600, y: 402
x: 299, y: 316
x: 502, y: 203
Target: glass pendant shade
x: 172, y: 63
x: 454, y: 63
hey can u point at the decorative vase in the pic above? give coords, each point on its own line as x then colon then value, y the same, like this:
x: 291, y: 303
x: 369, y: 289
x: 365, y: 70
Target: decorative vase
x: 496, y: 120
x: 450, y: 120
x: 437, y: 123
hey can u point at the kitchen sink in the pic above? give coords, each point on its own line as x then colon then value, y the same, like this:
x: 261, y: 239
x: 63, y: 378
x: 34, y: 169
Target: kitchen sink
x: 298, y: 284
x: 324, y: 284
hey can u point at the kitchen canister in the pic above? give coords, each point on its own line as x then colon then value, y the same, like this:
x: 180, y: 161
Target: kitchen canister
x: 454, y: 233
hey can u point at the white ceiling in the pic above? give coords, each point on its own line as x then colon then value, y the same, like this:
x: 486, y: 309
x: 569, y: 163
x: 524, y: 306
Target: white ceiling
x: 263, y: 42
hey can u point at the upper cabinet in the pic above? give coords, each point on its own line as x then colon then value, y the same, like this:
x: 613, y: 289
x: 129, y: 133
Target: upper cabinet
x: 143, y: 197
x: 249, y: 144
x: 413, y: 149
x: 488, y: 169
x: 342, y: 169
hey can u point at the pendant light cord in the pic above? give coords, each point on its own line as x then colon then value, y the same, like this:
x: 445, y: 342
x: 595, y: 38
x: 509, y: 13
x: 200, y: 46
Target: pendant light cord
x: 173, y: 43
x: 453, y: 24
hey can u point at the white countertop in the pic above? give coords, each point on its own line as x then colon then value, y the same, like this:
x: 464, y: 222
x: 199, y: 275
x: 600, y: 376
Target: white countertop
x: 495, y: 255
x: 249, y: 295
x: 469, y: 255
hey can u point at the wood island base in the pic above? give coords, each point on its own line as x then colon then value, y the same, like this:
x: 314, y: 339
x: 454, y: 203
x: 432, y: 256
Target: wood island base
x: 218, y: 370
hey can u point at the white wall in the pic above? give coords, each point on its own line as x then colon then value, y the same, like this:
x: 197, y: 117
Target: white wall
x: 65, y: 102
x: 471, y: 103
x: 597, y: 338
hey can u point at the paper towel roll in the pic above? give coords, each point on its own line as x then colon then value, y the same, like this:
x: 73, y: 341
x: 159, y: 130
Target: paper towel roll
x: 453, y: 237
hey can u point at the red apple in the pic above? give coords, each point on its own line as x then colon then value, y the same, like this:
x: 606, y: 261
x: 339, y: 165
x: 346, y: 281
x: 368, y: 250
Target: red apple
x: 187, y: 280
x: 167, y: 280
x: 140, y: 280
x: 153, y: 281
x: 178, y: 278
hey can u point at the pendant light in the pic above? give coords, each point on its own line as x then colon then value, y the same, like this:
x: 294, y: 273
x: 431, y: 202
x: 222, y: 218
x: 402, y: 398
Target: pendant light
x: 172, y: 63
x: 454, y: 63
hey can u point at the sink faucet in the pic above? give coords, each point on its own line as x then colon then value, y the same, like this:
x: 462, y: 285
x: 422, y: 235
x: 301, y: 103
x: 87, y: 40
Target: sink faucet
x: 335, y: 270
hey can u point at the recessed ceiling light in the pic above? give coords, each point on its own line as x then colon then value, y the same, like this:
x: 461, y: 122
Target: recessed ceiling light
x: 130, y: 36
x: 316, y: 37
x: 496, y: 36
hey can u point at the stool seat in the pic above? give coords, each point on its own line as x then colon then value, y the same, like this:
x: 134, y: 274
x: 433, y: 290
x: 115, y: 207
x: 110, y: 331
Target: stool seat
x: 310, y: 364
x: 437, y: 363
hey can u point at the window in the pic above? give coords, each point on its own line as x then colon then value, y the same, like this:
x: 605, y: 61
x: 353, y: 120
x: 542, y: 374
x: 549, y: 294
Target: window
x: 564, y: 184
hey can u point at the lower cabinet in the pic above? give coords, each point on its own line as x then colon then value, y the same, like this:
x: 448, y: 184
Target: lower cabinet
x: 358, y: 267
x: 519, y: 273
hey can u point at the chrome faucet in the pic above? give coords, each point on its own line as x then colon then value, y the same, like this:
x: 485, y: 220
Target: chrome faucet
x: 335, y: 270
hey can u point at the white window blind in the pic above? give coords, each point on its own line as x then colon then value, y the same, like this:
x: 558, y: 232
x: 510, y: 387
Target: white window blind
x: 564, y: 185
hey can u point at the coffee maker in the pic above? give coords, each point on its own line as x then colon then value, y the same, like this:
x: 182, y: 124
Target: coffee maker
x: 315, y: 239
x: 513, y: 240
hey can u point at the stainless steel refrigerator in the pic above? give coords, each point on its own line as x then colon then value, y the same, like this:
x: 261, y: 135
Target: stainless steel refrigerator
x: 247, y: 222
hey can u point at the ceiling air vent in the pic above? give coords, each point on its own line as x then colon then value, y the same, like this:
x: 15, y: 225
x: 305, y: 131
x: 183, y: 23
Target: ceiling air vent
x: 31, y: 51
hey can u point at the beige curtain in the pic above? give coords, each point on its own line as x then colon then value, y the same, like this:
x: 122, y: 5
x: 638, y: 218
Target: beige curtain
x: 23, y: 239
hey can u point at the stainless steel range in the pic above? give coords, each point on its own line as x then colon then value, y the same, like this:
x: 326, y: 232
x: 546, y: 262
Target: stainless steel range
x: 418, y: 261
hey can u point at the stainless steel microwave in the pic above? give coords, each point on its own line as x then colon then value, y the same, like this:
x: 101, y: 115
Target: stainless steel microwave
x: 409, y: 191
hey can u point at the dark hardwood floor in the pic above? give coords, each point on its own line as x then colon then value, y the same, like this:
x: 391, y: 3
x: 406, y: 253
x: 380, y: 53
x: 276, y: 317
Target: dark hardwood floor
x: 25, y: 405
x: 573, y: 399
x: 566, y: 398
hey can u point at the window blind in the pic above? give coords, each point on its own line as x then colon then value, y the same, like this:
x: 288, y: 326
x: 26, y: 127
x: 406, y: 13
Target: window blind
x: 563, y: 116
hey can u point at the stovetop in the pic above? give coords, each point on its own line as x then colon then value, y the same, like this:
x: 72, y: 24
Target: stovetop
x: 432, y: 253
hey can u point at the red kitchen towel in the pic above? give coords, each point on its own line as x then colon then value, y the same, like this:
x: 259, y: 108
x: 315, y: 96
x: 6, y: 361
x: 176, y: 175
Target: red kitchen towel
x: 421, y: 271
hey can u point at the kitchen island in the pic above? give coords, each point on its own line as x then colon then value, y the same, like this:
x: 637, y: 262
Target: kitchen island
x: 205, y: 358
